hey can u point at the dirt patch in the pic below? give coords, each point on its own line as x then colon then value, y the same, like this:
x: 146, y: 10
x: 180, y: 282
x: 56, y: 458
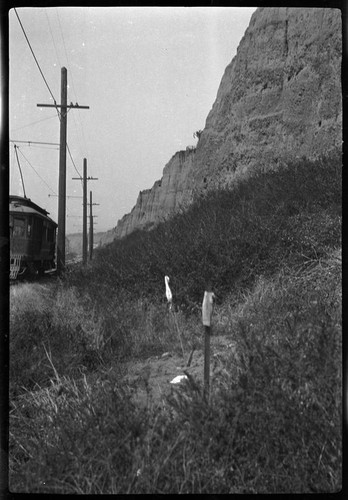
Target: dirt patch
x: 151, y: 378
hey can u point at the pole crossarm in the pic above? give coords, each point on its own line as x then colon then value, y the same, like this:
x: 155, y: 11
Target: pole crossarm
x: 87, y: 178
x: 57, y: 196
x: 81, y: 216
x: 37, y: 142
x: 71, y: 105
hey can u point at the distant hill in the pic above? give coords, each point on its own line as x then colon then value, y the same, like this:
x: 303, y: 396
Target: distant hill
x: 74, y: 242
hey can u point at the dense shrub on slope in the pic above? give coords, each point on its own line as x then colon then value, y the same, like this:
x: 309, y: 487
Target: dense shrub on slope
x: 273, y: 424
x: 272, y: 219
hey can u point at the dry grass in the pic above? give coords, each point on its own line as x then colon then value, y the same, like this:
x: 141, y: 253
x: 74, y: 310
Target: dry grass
x: 273, y: 422
x: 272, y: 425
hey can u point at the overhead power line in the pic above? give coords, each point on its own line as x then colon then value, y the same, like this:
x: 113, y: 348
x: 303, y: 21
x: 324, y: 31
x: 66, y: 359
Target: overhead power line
x: 33, y: 123
x: 72, y: 79
x: 78, y: 173
x: 36, y: 142
x: 43, y: 180
x: 37, y: 63
x: 55, y: 48
x: 66, y: 53
x: 54, y: 100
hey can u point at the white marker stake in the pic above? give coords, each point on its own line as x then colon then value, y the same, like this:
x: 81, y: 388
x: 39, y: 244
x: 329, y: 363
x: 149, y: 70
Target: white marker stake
x: 168, y: 291
x: 207, y: 311
x: 169, y: 296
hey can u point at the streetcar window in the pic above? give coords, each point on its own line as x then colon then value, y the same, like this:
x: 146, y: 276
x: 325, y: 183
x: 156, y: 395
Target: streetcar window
x: 18, y: 227
x: 37, y: 230
x: 29, y: 227
x: 50, y: 234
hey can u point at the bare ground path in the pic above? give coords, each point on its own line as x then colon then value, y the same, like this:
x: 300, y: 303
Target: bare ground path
x: 151, y: 378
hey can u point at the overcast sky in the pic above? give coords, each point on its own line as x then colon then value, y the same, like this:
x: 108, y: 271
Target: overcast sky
x: 150, y: 76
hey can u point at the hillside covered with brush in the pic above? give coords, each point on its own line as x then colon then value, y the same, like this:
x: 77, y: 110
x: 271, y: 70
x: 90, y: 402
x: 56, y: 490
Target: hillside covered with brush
x: 230, y: 236
x: 92, y: 356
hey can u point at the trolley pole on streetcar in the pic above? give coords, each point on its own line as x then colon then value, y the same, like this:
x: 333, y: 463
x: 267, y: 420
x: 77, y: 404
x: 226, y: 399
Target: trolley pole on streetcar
x: 84, y: 211
x: 62, y: 167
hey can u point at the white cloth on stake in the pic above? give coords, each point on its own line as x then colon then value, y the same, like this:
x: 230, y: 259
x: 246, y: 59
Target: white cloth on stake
x: 207, y: 307
x: 168, y: 291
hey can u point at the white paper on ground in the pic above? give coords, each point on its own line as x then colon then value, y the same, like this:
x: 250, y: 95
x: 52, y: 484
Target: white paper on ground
x: 178, y: 379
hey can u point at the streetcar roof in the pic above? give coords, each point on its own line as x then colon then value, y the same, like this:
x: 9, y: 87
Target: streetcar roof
x: 26, y: 206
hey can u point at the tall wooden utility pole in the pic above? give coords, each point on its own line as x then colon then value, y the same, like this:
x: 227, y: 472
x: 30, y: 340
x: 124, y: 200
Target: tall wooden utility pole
x: 84, y: 214
x: 62, y: 167
x: 90, y: 227
x: 62, y: 176
x: 84, y: 210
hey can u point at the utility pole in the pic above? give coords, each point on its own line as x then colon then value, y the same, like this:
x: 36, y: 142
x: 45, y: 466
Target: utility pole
x: 84, y: 214
x: 84, y: 211
x: 62, y: 175
x: 62, y: 167
x: 91, y: 225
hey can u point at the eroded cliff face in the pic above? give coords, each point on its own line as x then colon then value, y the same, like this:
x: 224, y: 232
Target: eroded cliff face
x: 164, y: 198
x: 279, y: 98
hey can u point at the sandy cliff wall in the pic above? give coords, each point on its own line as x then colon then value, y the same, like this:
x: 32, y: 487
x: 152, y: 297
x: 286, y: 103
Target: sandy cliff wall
x: 164, y: 198
x: 279, y: 98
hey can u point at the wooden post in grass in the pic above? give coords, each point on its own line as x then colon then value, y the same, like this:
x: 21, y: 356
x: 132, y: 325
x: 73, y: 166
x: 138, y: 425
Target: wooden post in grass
x: 207, y: 311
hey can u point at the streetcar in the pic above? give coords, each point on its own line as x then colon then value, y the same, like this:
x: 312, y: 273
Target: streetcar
x: 32, y: 238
